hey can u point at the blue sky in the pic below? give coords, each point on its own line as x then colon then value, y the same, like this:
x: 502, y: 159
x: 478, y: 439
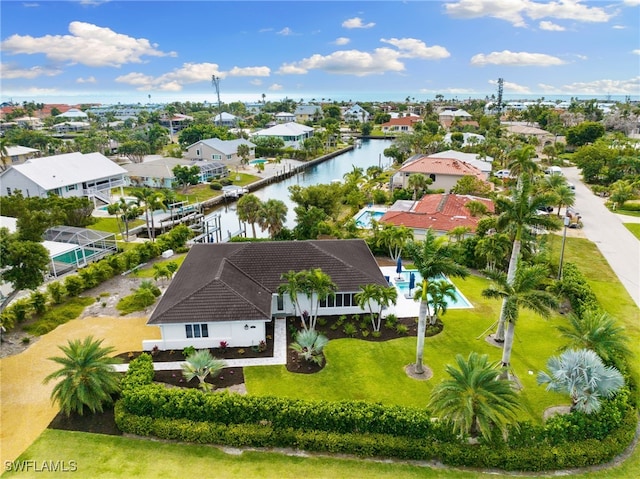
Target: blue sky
x: 126, y: 51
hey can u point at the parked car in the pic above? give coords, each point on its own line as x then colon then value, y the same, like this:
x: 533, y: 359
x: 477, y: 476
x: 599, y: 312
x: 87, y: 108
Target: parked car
x: 502, y: 174
x: 571, y: 185
x: 546, y: 209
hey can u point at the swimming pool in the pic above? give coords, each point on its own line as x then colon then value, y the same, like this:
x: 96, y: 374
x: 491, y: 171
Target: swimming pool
x: 76, y: 256
x: 364, y: 217
x: 258, y: 161
x: 402, y: 285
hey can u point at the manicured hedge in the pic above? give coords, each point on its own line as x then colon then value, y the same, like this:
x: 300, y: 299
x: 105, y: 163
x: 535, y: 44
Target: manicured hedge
x: 362, y: 429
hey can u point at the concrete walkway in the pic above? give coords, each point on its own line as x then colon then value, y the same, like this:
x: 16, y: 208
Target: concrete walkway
x: 279, y: 354
x: 617, y: 244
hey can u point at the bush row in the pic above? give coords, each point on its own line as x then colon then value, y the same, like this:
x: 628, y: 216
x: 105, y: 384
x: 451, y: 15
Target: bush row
x: 575, y: 288
x: 536, y: 457
x: 58, y: 292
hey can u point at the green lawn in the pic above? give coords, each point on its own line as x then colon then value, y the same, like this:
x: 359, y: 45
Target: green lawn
x: 373, y: 371
x: 104, y: 457
x: 110, y: 225
x: 148, y: 271
x: 634, y: 228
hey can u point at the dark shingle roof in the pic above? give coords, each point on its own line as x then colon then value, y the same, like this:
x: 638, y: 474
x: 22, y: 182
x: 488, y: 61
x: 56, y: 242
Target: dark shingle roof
x: 235, y: 281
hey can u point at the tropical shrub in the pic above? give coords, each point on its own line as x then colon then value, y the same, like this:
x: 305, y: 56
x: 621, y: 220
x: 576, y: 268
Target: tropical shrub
x: 309, y: 344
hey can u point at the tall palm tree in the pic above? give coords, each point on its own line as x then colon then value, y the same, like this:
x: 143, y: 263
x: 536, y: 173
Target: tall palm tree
x: 393, y: 238
x: 432, y: 260
x: 249, y: 208
x: 200, y: 365
x: 318, y: 286
x: 522, y: 292
x: 596, y: 330
x: 378, y: 295
x: 582, y: 374
x: 292, y: 287
x: 150, y: 200
x: 565, y: 196
x: 273, y: 215
x: 88, y: 376
x: 4, y: 153
x: 440, y: 291
x: 521, y: 161
x: 475, y: 400
x: 517, y: 213
x: 493, y: 248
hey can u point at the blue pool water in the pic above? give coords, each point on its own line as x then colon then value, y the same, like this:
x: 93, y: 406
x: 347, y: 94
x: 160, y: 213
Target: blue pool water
x: 364, y: 219
x: 402, y: 285
x: 258, y: 161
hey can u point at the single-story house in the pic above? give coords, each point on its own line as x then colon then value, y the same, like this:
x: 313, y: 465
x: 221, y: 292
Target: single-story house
x: 74, y: 114
x: 158, y: 173
x: 458, y: 116
x: 468, y: 139
x: 218, y: 150
x: 522, y: 129
x: 400, y: 125
x: 71, y: 126
x: 440, y: 212
x: 73, y: 174
x: 19, y: 154
x: 444, y: 172
x: 293, y: 134
x: 229, y: 291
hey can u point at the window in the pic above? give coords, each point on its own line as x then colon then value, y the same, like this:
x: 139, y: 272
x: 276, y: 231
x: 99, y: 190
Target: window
x: 72, y: 187
x: 280, y: 303
x: 197, y: 152
x: 196, y: 330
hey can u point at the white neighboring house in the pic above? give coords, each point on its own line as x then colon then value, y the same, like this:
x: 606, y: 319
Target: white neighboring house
x: 73, y: 174
x: 293, y: 134
x: 356, y: 113
x: 218, y: 150
x: 229, y: 291
x: 226, y: 119
x: 74, y: 114
x: 284, y: 117
x: 467, y: 139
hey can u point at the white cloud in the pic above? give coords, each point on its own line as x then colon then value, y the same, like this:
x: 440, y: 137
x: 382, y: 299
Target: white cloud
x: 619, y: 27
x: 90, y: 79
x: 189, y: 73
x: 88, y: 45
x: 515, y: 11
x: 632, y: 3
x: 11, y: 72
x: 249, y: 72
x: 341, y: 41
x: 275, y: 87
x: 636, y: 51
x: 349, y: 62
x: 286, y: 31
x: 599, y: 87
x: 506, y: 57
x: 510, y: 87
x: 255, y: 82
x: 413, y: 48
x: 452, y: 91
x: 551, y: 27
x: 356, y: 22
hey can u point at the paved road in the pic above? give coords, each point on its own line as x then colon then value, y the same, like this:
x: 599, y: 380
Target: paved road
x: 616, y: 243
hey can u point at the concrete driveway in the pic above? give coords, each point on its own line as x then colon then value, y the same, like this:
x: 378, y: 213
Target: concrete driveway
x: 616, y: 243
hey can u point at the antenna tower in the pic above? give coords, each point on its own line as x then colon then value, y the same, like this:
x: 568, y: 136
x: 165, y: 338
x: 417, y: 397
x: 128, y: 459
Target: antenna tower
x: 500, y: 89
x: 215, y: 81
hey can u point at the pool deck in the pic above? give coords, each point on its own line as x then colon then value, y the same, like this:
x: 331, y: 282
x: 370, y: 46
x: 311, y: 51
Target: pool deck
x: 407, y: 307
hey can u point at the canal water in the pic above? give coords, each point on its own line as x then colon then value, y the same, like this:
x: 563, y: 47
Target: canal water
x: 370, y: 153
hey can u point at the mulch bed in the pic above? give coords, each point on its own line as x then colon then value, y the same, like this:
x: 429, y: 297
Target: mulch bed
x: 104, y: 423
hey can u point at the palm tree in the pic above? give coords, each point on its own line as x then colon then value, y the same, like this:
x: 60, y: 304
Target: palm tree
x: 582, y: 374
x: 317, y: 286
x: 114, y: 210
x: 293, y: 286
x: 522, y: 161
x: 310, y: 345
x: 393, y: 238
x: 273, y: 215
x: 596, y: 330
x: 475, y: 400
x: 432, y: 260
x: 522, y: 292
x: 520, y: 211
x: 249, y: 208
x: 440, y: 291
x: 493, y: 248
x: 4, y: 153
x: 243, y: 152
x: 151, y: 200
x: 417, y: 182
x: 379, y: 295
x: 88, y: 376
x: 200, y: 365
x: 565, y: 196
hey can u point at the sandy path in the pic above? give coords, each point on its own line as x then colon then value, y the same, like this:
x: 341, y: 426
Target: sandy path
x: 25, y: 405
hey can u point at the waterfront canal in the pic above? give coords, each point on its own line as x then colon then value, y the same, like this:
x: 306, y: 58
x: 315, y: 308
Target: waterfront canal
x: 370, y: 153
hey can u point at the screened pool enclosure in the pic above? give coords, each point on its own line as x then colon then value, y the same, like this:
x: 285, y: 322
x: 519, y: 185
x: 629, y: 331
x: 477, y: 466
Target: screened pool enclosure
x: 71, y: 248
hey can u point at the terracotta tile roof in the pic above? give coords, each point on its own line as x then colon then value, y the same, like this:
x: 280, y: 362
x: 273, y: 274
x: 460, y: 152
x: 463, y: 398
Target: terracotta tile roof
x: 441, y: 166
x: 235, y: 281
x: 440, y: 212
x: 404, y: 121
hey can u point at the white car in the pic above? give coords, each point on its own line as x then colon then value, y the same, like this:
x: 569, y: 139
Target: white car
x: 502, y: 174
x: 571, y: 186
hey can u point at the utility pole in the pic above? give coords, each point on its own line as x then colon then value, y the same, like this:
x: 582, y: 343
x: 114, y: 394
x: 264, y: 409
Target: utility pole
x: 215, y: 81
x: 500, y: 89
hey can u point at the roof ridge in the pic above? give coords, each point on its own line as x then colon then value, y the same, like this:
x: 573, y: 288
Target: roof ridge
x: 443, y: 202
